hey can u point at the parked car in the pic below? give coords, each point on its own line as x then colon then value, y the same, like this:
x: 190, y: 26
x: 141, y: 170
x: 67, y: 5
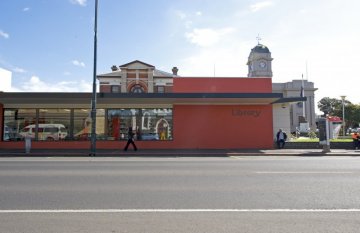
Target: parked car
x: 48, y: 132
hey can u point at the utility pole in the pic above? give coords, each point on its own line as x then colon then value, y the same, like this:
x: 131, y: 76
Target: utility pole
x: 343, y: 112
x: 93, y: 99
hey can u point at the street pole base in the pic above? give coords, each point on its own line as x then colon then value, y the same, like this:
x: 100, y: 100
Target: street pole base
x: 326, y: 149
x: 92, y: 154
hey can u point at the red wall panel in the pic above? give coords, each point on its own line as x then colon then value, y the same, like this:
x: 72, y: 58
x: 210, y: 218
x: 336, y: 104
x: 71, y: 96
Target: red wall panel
x: 220, y: 127
x: 1, y: 121
x: 222, y: 85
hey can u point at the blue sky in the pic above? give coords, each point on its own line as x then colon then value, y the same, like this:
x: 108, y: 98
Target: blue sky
x: 48, y: 44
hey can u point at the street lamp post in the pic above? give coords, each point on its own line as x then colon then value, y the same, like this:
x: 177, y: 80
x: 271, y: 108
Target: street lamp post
x: 93, y: 99
x: 343, y: 110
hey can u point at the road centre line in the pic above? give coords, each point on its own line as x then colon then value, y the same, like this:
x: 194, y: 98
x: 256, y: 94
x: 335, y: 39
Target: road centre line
x: 175, y: 210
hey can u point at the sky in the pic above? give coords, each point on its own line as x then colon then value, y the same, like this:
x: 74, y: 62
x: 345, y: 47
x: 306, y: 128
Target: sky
x: 48, y: 45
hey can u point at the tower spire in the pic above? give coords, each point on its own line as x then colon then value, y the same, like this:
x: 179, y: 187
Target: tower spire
x: 258, y: 38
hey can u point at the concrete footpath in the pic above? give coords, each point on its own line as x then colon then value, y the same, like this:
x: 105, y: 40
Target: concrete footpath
x: 176, y: 153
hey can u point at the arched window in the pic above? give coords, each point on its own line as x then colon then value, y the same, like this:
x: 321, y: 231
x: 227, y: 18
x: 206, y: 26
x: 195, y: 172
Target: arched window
x: 137, y: 89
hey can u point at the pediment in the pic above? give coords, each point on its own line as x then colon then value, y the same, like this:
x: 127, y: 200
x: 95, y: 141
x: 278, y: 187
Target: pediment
x: 137, y: 65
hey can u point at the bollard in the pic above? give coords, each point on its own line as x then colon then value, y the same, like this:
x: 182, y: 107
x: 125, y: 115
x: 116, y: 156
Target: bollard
x: 27, y: 144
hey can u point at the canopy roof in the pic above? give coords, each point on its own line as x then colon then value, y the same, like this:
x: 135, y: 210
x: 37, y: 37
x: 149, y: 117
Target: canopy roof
x: 43, y: 99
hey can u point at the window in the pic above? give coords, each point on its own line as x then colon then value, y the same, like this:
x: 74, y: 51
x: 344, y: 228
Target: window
x: 16, y: 121
x: 161, y: 89
x: 149, y: 124
x: 51, y: 121
x: 115, y: 89
x: 137, y: 89
x: 75, y: 124
x: 82, y: 124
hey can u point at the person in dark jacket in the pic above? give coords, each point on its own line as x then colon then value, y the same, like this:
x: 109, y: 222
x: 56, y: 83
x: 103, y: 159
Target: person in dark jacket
x: 130, y: 139
x: 281, y: 139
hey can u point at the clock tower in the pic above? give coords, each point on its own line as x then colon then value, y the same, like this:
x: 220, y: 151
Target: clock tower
x: 259, y: 62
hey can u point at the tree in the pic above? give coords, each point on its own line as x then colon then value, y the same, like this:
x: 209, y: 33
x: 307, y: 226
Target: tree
x: 329, y: 105
x: 334, y: 107
x: 352, y: 115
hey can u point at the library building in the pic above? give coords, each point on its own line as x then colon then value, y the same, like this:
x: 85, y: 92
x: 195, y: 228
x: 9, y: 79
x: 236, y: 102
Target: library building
x: 165, y: 110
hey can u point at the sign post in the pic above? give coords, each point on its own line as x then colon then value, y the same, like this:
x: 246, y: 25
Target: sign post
x: 324, y: 134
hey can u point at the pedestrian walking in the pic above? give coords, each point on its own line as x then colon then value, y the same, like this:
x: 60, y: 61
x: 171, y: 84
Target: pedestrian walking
x: 130, y: 139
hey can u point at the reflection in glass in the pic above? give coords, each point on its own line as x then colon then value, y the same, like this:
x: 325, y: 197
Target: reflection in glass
x: 48, y: 124
x: 149, y: 124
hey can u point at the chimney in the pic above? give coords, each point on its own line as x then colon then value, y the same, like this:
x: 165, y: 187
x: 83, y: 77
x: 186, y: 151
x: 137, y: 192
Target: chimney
x: 114, y: 68
x: 175, y: 70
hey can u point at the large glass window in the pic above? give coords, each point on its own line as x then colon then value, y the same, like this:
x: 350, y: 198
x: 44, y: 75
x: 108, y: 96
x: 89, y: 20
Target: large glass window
x: 17, y: 123
x: 53, y: 124
x: 149, y: 124
x: 82, y: 124
x: 75, y: 124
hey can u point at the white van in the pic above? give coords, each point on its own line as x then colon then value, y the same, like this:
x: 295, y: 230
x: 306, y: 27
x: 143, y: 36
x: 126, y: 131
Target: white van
x: 46, y: 132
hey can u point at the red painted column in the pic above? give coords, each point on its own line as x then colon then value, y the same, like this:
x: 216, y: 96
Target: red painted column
x: 1, y: 121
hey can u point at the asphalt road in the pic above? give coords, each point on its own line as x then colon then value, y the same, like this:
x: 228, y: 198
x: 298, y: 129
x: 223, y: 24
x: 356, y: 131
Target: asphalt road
x: 229, y: 194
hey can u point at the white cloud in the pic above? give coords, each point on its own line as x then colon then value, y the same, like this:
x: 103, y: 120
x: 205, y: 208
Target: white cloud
x: 199, y: 13
x: 19, y: 70
x: 260, y: 5
x: 219, y: 61
x: 181, y: 15
x: 207, y: 37
x: 78, y: 63
x: 5, y: 77
x: 184, y: 18
x: 79, y: 2
x: 35, y: 84
x: 4, y: 34
x: 26, y: 9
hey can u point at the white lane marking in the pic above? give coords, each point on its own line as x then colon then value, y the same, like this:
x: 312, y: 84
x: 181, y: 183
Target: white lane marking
x: 301, y: 172
x: 173, y: 210
x: 236, y: 157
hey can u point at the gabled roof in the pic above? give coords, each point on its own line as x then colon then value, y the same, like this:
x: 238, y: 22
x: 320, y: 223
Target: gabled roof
x: 160, y: 73
x: 157, y: 73
x: 136, y: 61
x: 111, y: 74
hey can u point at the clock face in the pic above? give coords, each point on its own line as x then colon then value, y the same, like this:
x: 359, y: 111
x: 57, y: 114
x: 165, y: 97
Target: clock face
x: 262, y: 64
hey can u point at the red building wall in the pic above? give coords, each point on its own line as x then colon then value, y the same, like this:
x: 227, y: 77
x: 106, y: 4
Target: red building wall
x: 1, y: 121
x: 223, y: 127
x: 222, y: 85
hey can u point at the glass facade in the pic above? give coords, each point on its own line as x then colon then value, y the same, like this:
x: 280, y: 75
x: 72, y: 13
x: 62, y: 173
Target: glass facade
x: 15, y: 121
x: 75, y: 124
x: 149, y: 124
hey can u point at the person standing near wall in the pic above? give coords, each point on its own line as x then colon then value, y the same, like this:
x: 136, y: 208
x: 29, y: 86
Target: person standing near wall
x: 130, y: 139
x: 281, y: 138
